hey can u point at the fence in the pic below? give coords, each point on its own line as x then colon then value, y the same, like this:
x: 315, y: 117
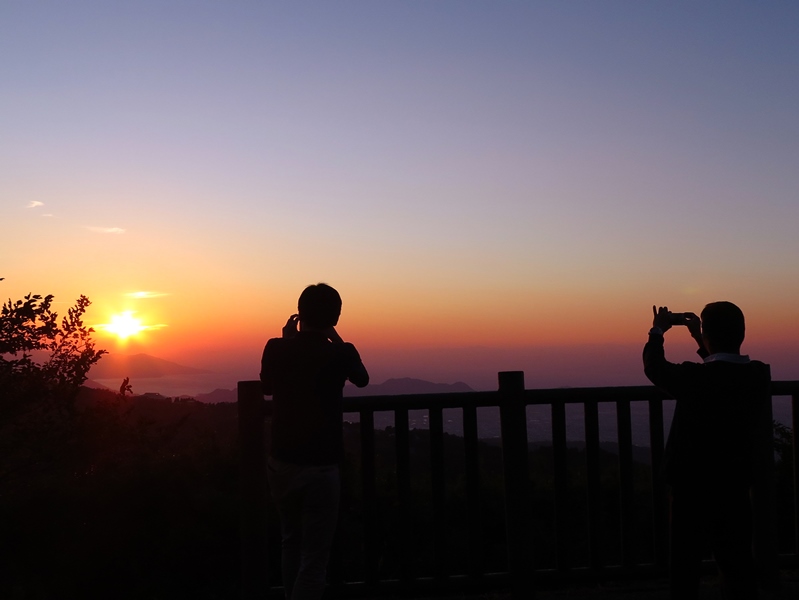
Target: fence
x: 512, y: 400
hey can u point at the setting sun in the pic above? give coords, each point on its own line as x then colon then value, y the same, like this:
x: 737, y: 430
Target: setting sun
x: 124, y: 325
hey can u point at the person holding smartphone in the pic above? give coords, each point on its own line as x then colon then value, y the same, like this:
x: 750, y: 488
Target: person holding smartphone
x: 304, y: 371
x: 719, y: 455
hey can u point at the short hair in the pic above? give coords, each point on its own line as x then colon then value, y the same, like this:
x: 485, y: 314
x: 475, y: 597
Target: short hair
x: 319, y: 306
x: 723, y: 325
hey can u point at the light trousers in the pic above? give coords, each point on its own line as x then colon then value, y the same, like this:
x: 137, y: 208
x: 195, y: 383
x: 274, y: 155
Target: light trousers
x: 307, y: 498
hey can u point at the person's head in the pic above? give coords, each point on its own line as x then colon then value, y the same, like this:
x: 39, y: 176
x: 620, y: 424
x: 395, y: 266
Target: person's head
x: 723, y: 327
x: 319, y: 306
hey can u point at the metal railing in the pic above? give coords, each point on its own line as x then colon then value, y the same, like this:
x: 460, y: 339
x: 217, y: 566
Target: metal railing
x: 512, y: 401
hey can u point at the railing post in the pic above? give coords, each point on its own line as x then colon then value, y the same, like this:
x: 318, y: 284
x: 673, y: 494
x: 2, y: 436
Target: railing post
x: 513, y: 423
x: 252, y: 491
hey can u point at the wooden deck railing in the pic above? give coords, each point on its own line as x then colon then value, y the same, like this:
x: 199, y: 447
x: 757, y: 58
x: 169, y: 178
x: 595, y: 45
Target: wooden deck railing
x: 512, y: 401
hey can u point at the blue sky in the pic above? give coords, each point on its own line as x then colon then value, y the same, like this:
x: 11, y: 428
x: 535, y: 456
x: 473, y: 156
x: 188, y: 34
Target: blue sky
x: 467, y: 173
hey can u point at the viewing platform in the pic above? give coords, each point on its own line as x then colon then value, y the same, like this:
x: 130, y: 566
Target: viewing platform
x: 435, y: 514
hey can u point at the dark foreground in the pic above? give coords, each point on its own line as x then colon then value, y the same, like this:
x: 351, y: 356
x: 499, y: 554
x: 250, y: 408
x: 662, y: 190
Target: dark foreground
x: 635, y: 590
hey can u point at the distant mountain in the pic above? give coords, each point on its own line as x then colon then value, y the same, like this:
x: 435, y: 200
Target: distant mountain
x: 218, y: 395
x: 138, y: 365
x: 406, y: 385
x: 390, y: 387
x: 95, y: 385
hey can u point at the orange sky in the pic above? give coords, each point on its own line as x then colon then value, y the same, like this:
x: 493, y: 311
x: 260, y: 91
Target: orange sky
x: 498, y: 176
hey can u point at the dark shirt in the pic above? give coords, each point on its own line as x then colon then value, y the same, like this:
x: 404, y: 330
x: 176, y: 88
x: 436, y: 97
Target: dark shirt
x: 721, y: 431
x: 305, y: 376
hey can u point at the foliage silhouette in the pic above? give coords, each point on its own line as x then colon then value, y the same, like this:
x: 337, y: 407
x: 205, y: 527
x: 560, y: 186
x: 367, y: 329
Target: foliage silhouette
x: 37, y: 397
x: 28, y: 326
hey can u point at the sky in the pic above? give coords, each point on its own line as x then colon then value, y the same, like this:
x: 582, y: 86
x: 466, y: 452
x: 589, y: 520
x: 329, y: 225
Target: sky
x: 490, y: 185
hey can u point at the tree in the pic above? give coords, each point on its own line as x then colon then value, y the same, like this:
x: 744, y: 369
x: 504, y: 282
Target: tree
x: 43, y: 363
x: 29, y: 331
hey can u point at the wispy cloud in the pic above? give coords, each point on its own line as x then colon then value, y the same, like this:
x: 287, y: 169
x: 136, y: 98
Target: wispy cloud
x: 106, y: 229
x: 48, y: 215
x: 145, y: 295
x: 35, y: 203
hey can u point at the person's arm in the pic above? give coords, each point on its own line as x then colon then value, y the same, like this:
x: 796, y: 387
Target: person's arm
x: 664, y: 374
x: 694, y: 324
x: 291, y: 327
x: 653, y: 350
x: 290, y: 330
x: 357, y: 373
x: 266, y: 369
x: 333, y: 335
x: 654, y: 356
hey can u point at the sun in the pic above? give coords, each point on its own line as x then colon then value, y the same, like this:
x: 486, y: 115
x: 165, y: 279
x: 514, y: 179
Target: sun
x: 124, y: 325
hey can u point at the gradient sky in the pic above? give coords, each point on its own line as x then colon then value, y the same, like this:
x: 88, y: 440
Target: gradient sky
x: 490, y: 185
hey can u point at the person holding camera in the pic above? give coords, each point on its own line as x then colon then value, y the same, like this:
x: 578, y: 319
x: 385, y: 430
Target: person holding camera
x: 719, y: 454
x: 304, y: 371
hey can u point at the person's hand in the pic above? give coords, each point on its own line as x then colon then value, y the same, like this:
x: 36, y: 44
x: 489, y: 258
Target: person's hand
x: 291, y: 327
x: 694, y: 324
x: 661, y: 318
x: 333, y: 335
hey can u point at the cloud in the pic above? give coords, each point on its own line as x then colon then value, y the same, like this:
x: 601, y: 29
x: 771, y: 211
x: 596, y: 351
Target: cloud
x: 106, y: 229
x: 144, y: 295
x: 35, y: 203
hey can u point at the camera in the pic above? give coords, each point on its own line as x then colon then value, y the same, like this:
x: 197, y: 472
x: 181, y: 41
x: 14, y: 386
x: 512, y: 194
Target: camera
x: 677, y: 318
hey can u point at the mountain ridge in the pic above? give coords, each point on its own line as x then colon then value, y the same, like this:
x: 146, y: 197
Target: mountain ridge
x: 140, y: 366
x: 397, y: 386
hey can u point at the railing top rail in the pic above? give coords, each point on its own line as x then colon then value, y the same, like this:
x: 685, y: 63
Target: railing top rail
x: 785, y: 388
x: 576, y: 395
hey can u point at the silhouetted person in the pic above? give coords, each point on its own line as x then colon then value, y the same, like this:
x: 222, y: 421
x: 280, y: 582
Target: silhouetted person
x: 719, y: 448
x: 304, y: 372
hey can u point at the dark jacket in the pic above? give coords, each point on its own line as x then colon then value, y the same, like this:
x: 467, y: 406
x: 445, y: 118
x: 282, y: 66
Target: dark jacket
x: 305, y: 376
x: 721, y: 432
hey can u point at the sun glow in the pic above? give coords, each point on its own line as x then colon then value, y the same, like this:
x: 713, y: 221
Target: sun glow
x: 124, y: 325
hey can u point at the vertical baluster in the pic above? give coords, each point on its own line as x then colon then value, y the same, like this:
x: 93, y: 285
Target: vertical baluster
x: 368, y: 475
x: 472, y: 490
x: 624, y: 423
x: 437, y: 479
x: 403, y: 492
x: 594, y: 484
x: 660, y: 508
x: 561, y: 475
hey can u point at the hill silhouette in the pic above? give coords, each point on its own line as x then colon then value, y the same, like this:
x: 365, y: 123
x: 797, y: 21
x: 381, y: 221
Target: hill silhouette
x: 406, y: 385
x: 138, y: 365
x: 391, y: 387
x: 218, y: 395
